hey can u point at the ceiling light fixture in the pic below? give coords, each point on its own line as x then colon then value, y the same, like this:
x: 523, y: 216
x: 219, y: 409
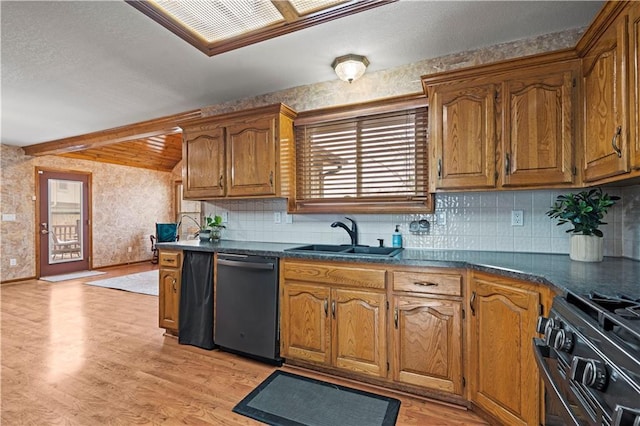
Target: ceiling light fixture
x: 350, y: 67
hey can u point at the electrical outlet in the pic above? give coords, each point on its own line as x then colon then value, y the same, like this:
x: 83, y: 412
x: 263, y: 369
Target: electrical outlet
x: 288, y: 218
x: 277, y: 217
x: 441, y: 218
x: 13, y: 262
x: 129, y: 249
x: 225, y: 217
x: 517, y: 218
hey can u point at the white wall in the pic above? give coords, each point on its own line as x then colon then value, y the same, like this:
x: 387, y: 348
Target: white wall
x: 474, y: 221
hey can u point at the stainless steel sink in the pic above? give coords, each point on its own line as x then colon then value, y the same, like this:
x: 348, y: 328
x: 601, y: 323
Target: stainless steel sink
x: 347, y: 250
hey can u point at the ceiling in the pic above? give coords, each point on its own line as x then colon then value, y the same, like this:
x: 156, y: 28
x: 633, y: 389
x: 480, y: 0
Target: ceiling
x: 77, y: 67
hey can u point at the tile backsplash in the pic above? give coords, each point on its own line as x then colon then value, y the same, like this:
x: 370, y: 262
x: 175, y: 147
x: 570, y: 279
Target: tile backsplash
x: 463, y: 221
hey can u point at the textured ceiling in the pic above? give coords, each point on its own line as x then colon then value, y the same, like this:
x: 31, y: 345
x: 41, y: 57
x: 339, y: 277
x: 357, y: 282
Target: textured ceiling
x: 71, y: 68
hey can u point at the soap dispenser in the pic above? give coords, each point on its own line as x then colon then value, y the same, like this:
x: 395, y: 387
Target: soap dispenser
x: 396, y: 238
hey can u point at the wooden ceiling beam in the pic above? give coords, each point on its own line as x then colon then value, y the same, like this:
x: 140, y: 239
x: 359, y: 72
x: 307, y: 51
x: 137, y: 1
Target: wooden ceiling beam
x: 156, y: 127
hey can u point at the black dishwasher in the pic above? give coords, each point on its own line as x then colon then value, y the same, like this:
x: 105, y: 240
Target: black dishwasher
x: 246, y: 306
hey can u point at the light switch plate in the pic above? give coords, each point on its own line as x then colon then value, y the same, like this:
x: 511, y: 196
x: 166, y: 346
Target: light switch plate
x: 8, y: 217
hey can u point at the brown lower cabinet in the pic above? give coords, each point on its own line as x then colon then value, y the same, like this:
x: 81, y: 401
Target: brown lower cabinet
x: 335, y: 316
x: 458, y: 335
x: 169, y: 295
x: 426, y: 330
x: 503, y: 377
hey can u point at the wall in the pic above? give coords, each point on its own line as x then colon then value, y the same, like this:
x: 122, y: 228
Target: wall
x: 473, y: 221
x: 126, y: 203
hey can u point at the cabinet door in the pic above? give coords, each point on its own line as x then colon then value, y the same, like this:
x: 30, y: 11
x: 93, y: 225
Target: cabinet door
x: 252, y: 157
x: 538, y: 127
x: 203, y: 163
x: 427, y: 343
x: 359, y: 343
x: 634, y: 66
x: 606, y: 150
x: 305, y: 324
x: 463, y: 137
x: 169, y: 298
x: 505, y: 379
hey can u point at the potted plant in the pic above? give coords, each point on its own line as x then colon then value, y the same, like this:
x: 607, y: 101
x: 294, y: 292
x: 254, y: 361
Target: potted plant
x: 211, y: 228
x: 585, y: 211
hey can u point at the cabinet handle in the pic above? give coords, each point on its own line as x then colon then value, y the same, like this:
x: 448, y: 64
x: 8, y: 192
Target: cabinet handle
x: 615, y: 139
x: 471, y: 303
x: 271, y: 178
x: 173, y: 284
x: 220, y: 181
x: 439, y: 168
x: 333, y: 309
x: 425, y: 284
x: 326, y: 307
x: 395, y: 317
x: 507, y: 164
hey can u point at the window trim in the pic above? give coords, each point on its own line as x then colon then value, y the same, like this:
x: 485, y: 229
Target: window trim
x: 363, y: 204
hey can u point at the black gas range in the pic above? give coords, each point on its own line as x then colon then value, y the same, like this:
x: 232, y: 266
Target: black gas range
x: 589, y: 358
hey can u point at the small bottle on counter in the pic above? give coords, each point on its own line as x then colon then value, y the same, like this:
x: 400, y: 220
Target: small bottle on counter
x: 396, y: 238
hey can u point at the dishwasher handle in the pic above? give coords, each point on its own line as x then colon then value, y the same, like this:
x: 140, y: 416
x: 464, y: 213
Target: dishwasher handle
x: 246, y: 265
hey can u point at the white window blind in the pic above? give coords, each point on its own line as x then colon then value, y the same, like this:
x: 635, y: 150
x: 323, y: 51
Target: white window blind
x: 369, y: 160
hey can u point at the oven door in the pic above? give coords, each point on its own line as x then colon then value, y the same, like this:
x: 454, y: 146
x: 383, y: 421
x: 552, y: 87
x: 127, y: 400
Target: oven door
x: 561, y: 404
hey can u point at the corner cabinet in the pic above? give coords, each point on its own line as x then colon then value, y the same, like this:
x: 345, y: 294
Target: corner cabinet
x: 334, y: 315
x: 170, y: 275
x: 634, y: 64
x: 609, y: 50
x: 242, y: 154
x: 503, y: 376
x: 426, y: 334
x: 505, y: 125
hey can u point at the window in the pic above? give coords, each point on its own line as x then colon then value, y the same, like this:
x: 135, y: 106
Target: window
x: 371, y: 159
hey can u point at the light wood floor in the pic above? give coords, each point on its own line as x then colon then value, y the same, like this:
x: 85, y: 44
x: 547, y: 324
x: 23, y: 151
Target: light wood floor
x: 76, y: 354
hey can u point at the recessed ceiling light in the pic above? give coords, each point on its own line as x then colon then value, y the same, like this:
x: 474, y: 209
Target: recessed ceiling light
x: 221, y: 25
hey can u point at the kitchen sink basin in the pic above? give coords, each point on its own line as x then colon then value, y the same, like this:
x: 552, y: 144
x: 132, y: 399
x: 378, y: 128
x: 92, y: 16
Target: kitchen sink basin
x: 348, y: 250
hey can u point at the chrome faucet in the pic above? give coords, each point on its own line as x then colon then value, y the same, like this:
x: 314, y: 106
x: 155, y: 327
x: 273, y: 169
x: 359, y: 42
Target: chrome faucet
x: 353, y: 232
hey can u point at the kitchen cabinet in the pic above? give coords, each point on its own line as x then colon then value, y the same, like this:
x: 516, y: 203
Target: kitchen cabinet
x: 463, y: 136
x: 609, y: 50
x: 506, y: 125
x: 426, y: 332
x: 634, y: 81
x: 169, y: 289
x: 334, y: 315
x: 241, y: 154
x: 604, y: 74
x: 539, y: 126
x: 503, y: 378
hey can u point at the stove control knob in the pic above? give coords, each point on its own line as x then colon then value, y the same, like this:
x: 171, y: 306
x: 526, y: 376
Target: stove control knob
x: 541, y: 324
x: 625, y: 416
x: 563, y: 341
x: 589, y: 372
x: 551, y: 335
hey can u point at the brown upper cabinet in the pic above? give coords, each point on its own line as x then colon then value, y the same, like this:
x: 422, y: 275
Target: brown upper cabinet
x: 510, y: 124
x: 609, y: 51
x: 634, y: 64
x: 242, y: 154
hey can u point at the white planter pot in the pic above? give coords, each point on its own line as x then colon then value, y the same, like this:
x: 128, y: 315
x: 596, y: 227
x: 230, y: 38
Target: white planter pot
x: 586, y: 248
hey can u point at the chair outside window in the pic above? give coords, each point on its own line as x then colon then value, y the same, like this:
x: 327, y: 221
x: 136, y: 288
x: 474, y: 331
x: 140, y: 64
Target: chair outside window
x: 165, y: 233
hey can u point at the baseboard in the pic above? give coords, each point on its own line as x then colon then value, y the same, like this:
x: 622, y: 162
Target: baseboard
x: 16, y: 280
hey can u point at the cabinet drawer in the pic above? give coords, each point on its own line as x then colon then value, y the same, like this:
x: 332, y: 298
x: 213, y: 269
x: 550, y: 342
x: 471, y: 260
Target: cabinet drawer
x: 422, y: 282
x: 335, y: 274
x: 170, y: 258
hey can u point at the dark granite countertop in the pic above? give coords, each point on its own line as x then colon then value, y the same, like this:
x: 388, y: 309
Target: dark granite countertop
x: 614, y: 275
